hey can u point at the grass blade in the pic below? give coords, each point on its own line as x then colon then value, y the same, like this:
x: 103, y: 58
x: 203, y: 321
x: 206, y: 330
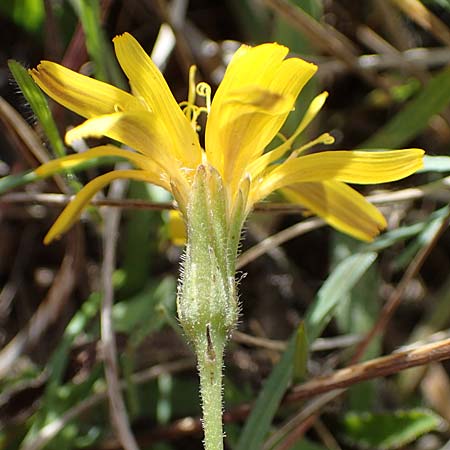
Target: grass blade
x: 39, y: 105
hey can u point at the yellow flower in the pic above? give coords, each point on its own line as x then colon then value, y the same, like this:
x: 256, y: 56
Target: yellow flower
x: 251, y: 104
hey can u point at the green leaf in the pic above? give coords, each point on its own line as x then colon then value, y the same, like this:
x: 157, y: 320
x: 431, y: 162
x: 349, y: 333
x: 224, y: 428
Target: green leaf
x: 39, y: 105
x: 338, y: 284
x: 390, y: 430
x: 301, y: 354
x: 77, y: 324
x: 414, y: 117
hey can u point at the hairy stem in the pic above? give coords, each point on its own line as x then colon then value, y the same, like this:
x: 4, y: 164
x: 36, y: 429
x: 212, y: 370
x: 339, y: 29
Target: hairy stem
x: 210, y: 362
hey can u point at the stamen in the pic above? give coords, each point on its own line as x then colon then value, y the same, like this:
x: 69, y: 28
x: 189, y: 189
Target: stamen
x: 191, y: 93
x: 191, y: 112
x: 204, y: 90
x: 310, y: 114
x: 141, y: 100
x: 324, y: 138
x: 282, y: 137
x: 189, y: 108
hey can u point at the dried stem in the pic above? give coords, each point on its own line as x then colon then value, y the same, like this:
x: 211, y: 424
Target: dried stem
x: 118, y: 411
x: 437, y: 189
x: 378, y: 367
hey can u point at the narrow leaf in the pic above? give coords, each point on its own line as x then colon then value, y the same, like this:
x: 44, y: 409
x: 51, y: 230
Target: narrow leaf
x: 39, y: 105
x: 339, y: 283
x: 13, y: 181
x: 301, y: 354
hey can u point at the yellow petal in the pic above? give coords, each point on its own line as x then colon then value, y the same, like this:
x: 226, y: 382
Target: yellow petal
x: 81, y: 94
x: 357, y: 167
x: 142, y: 131
x: 147, y: 82
x: 260, y: 164
x: 71, y: 161
x: 252, y: 114
x: 254, y: 99
x: 73, y: 210
x: 340, y: 206
x: 250, y: 66
x: 177, y: 228
x: 235, y: 134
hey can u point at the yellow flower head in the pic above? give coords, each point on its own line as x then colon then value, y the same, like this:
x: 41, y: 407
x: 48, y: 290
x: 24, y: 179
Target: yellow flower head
x: 258, y: 91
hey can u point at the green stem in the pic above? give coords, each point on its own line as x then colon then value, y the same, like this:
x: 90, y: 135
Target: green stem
x: 210, y: 372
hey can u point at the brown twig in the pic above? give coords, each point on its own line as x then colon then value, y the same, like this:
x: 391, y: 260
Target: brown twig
x: 319, y: 344
x: 394, y: 27
x: 277, y: 239
x: 419, y: 57
x: 375, y: 42
x: 437, y: 189
x: 326, y: 436
x: 375, y: 368
x: 301, y: 428
x: 60, y: 200
x: 299, y: 423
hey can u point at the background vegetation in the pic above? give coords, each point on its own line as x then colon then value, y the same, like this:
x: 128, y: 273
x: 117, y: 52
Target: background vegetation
x: 313, y: 301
